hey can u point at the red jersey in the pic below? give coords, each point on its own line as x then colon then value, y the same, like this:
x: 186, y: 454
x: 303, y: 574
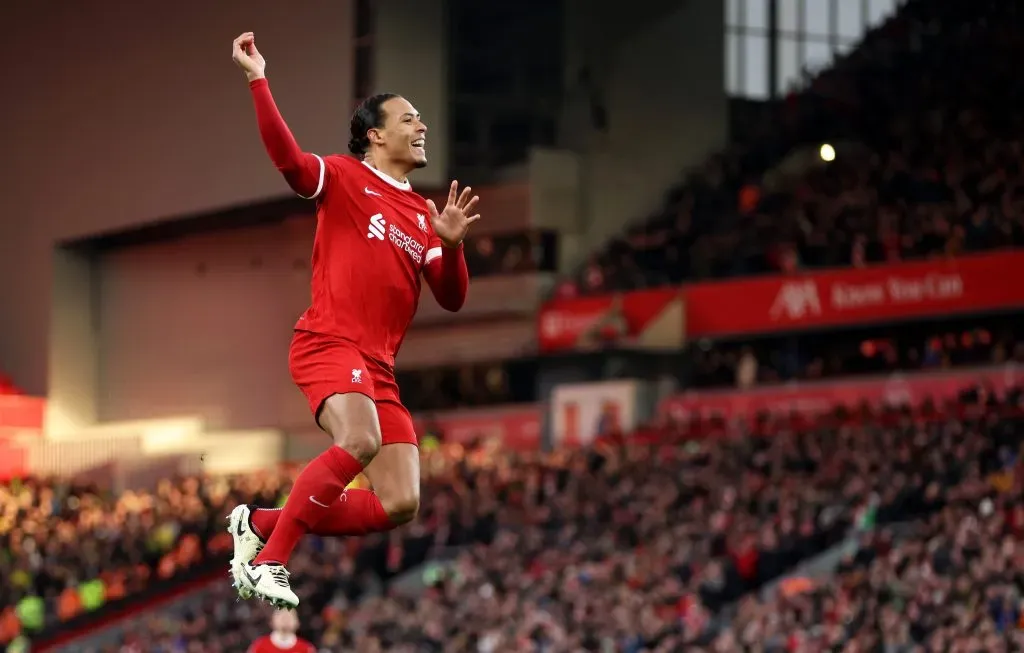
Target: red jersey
x: 373, y: 241
x: 267, y: 645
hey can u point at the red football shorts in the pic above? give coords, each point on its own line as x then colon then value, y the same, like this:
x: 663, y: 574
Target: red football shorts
x: 323, y: 365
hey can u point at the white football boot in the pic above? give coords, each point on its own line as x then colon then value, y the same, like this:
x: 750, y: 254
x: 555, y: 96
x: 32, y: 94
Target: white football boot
x: 247, y: 545
x: 268, y: 582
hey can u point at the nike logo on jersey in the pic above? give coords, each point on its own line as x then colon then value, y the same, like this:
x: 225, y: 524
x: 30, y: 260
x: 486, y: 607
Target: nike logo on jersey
x: 366, y: 189
x: 377, y: 227
x: 322, y: 505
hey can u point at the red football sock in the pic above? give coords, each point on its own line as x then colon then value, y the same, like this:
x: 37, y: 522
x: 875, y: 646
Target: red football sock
x: 356, y: 512
x: 263, y: 521
x: 317, y: 487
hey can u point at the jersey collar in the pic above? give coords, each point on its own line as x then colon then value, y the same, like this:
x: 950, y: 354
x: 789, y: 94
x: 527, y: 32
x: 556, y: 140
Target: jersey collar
x: 400, y: 185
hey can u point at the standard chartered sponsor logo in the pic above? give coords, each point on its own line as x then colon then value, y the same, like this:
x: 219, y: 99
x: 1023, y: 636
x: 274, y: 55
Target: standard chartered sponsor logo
x: 376, y: 228
x: 403, y: 241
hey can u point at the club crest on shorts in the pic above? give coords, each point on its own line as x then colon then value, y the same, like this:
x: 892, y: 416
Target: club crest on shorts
x: 357, y: 376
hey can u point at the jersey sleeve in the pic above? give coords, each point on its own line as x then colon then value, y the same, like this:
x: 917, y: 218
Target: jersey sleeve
x: 446, y: 273
x: 433, y: 249
x: 322, y: 176
x: 306, y: 173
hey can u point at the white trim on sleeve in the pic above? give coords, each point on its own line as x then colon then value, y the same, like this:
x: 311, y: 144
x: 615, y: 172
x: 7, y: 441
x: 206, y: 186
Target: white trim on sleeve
x: 320, y: 184
x: 432, y: 253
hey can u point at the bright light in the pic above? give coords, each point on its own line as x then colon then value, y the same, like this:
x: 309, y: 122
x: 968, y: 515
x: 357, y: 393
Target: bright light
x: 827, y: 153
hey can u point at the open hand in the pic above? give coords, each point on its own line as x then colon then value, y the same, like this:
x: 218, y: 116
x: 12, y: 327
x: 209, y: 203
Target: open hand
x: 453, y: 222
x: 247, y: 57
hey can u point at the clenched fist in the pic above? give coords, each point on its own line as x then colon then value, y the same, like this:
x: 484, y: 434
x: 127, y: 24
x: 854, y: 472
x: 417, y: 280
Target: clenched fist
x: 247, y: 57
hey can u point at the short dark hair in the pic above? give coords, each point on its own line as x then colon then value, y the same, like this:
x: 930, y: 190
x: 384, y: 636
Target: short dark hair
x: 368, y: 115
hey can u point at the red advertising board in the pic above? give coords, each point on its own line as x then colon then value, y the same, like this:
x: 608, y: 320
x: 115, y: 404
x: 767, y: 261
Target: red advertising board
x: 818, y: 398
x: 21, y: 412
x: 981, y: 282
x: 563, y: 323
x: 851, y: 296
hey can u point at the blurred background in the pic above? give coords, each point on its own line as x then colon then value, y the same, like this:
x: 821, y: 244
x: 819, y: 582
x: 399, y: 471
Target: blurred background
x: 740, y: 368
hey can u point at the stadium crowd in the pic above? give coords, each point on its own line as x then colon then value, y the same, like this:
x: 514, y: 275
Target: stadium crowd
x: 912, y: 347
x: 904, y: 348
x: 469, y: 385
x: 930, y: 164
x: 507, y: 254
x: 663, y: 542
x: 68, y: 548
x: 631, y: 547
x: 955, y: 584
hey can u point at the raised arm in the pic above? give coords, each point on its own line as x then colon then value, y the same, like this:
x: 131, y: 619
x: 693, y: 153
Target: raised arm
x: 304, y: 172
x: 445, y: 269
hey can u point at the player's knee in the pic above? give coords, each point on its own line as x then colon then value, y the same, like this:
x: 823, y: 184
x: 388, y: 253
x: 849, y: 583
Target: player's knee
x: 352, y: 422
x: 402, y: 506
x: 361, y: 444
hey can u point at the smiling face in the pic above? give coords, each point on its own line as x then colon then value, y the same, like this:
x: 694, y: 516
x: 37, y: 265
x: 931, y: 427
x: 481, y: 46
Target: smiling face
x: 402, y: 138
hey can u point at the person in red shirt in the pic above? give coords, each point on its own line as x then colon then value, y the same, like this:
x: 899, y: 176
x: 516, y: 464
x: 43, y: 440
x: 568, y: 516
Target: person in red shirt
x: 282, y: 638
x: 375, y: 240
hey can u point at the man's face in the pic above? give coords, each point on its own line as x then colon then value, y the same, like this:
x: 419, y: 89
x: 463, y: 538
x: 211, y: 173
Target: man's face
x: 403, y: 136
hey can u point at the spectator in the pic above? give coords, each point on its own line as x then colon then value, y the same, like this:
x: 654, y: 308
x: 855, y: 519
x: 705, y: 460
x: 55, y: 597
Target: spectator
x: 928, y: 169
x: 644, y: 546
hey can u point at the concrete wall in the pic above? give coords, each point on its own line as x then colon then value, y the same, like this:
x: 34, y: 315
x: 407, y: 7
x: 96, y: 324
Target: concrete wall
x: 117, y: 114
x: 411, y: 59
x: 201, y: 325
x: 659, y: 66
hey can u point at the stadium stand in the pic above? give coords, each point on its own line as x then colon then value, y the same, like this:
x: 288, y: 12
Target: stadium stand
x: 505, y: 254
x: 635, y: 546
x: 926, y: 167
x: 72, y: 548
x: 472, y: 385
x: 909, y: 347
x: 660, y: 540
x: 957, y: 343
x: 953, y: 583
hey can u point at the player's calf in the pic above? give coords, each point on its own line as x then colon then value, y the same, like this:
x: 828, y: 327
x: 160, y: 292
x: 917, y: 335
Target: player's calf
x: 395, y: 476
x: 351, y: 418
